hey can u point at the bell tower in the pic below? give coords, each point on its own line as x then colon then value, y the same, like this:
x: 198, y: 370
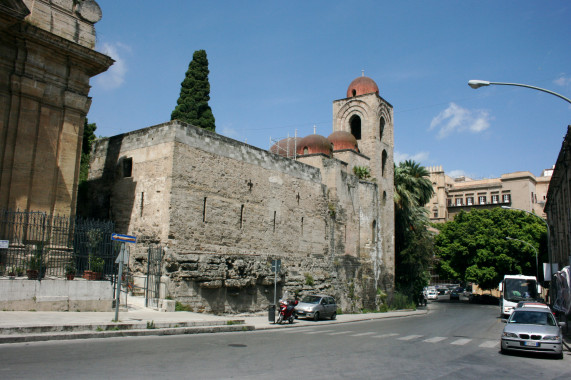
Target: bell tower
x: 369, y: 118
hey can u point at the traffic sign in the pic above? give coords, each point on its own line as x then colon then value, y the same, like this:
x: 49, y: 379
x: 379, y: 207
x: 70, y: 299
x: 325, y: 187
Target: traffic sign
x: 4, y: 243
x: 276, y: 265
x: 124, y: 238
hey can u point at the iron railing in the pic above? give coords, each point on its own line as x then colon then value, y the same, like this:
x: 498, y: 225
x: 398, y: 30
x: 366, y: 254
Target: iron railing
x: 54, y: 245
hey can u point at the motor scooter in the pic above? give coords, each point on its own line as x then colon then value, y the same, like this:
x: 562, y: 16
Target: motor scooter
x: 287, y: 311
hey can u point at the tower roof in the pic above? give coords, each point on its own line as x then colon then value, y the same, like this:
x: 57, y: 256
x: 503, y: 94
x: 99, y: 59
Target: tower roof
x: 361, y: 86
x: 343, y: 140
x: 314, y: 144
x: 286, y: 147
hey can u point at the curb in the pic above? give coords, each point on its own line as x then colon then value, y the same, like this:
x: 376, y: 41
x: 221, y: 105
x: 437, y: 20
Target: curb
x: 124, y: 333
x: 361, y: 318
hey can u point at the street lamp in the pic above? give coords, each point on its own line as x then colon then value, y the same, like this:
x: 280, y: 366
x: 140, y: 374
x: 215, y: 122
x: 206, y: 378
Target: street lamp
x: 474, y: 83
x: 535, y: 249
x: 548, y: 240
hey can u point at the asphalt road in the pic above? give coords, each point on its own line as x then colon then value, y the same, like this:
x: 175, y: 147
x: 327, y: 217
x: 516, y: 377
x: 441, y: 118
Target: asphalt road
x: 455, y: 340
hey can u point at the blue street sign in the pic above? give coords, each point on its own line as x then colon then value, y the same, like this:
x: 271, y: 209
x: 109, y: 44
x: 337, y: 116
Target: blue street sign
x: 124, y: 238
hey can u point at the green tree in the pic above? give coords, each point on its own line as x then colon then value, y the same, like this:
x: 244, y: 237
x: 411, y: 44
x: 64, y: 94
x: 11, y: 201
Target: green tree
x: 88, y: 139
x: 473, y: 247
x: 413, y: 240
x: 192, y: 105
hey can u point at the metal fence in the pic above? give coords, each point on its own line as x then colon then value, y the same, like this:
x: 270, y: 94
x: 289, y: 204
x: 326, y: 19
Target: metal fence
x: 53, y: 245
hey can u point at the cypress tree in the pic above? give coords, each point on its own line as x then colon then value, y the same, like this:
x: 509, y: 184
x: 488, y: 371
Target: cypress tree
x: 192, y: 105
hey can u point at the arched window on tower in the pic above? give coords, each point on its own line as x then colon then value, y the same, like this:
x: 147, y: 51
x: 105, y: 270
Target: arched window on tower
x: 356, y: 126
x: 374, y: 232
x: 384, y: 162
x: 382, y: 128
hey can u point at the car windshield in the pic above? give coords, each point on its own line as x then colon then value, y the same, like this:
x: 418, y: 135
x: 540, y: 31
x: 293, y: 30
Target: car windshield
x: 532, y: 318
x: 311, y: 299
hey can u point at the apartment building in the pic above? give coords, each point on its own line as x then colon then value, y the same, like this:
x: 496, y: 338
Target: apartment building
x: 521, y: 190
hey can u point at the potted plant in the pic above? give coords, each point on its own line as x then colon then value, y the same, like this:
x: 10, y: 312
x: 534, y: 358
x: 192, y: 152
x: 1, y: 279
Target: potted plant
x: 96, y: 266
x: 35, y: 267
x: 70, y: 270
x: 19, y: 271
x: 11, y: 270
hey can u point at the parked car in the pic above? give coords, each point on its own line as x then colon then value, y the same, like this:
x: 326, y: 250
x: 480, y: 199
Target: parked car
x: 316, y: 306
x: 455, y: 295
x: 432, y: 294
x: 532, y: 329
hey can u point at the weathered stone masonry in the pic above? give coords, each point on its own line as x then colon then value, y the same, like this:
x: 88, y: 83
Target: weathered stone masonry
x: 224, y: 210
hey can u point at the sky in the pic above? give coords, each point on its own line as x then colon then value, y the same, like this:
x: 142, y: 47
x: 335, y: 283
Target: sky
x: 277, y: 66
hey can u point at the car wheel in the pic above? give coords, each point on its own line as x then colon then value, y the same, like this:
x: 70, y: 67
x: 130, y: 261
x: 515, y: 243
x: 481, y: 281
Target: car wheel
x: 316, y: 316
x: 334, y: 315
x: 503, y: 350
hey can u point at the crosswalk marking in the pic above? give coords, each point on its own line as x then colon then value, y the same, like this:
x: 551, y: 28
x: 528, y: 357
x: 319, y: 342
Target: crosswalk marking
x: 297, y: 330
x: 436, y: 339
x: 318, y: 332
x: 409, y: 337
x: 385, y: 335
x: 489, y: 344
x: 341, y: 332
x: 365, y: 333
x: 461, y: 342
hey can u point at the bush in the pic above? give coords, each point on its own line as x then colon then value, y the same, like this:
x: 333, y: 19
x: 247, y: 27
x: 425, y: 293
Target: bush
x: 181, y: 307
x: 401, y: 301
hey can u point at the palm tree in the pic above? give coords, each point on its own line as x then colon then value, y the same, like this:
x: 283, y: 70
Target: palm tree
x: 413, y: 242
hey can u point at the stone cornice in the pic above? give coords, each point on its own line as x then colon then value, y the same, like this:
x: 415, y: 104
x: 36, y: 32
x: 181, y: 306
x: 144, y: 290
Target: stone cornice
x: 93, y: 61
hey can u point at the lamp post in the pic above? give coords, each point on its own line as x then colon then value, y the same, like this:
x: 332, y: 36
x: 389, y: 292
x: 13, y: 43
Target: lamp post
x: 536, y: 253
x: 475, y: 84
x: 548, y: 241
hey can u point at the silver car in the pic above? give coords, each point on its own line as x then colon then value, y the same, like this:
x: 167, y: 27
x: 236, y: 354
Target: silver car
x: 317, y: 306
x: 532, y: 329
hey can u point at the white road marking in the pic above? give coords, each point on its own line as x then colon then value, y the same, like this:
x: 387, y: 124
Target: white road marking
x: 461, y: 342
x: 436, y: 339
x: 296, y: 330
x: 319, y: 331
x: 365, y: 333
x: 410, y: 337
x: 490, y: 344
x: 341, y: 332
x: 384, y: 335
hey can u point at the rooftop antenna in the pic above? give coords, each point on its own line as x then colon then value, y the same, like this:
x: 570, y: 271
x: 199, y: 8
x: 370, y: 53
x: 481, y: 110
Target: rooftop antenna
x: 362, y: 73
x: 314, y: 129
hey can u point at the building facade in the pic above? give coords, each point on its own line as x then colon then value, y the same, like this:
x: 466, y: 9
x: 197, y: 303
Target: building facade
x: 46, y: 62
x: 558, y: 206
x: 224, y: 210
x: 521, y: 190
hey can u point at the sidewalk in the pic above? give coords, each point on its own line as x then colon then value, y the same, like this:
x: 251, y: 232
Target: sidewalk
x: 136, y: 320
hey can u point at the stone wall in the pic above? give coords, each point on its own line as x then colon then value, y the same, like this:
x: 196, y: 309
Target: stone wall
x: 226, y: 209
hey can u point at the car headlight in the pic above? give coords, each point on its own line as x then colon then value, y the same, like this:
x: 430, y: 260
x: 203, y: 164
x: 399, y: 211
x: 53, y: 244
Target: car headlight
x: 551, y: 337
x: 509, y: 335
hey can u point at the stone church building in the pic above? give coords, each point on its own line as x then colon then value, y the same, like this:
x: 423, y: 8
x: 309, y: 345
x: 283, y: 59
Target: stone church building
x: 223, y: 210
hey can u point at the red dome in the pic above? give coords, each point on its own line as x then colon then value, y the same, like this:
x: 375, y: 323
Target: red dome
x: 343, y: 140
x: 361, y: 86
x: 286, y: 147
x: 313, y: 144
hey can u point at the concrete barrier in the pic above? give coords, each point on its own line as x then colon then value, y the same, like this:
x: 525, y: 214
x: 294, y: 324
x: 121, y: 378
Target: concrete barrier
x: 55, y: 295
